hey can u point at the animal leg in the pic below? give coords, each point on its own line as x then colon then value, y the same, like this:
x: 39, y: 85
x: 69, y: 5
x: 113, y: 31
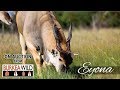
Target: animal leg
x: 37, y: 59
x: 23, y: 46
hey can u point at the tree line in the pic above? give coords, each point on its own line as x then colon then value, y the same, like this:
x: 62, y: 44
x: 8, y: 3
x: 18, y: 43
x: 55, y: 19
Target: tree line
x: 89, y: 18
x: 92, y: 19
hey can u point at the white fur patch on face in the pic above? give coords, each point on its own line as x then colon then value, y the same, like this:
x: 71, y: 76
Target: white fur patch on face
x: 54, y: 59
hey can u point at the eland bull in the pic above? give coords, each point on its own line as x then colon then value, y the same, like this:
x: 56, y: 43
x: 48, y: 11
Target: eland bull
x: 42, y: 35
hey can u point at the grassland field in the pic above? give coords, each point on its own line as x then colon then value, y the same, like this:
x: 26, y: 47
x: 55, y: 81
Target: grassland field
x: 100, y: 47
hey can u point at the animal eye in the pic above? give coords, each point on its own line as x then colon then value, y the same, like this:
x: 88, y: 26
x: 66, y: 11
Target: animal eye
x: 60, y: 59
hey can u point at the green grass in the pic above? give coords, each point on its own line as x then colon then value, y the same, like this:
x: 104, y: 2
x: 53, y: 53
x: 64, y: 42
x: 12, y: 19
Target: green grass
x: 101, y: 48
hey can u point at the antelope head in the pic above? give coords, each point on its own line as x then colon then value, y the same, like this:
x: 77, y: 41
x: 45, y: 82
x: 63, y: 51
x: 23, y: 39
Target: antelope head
x: 5, y: 17
x: 60, y: 58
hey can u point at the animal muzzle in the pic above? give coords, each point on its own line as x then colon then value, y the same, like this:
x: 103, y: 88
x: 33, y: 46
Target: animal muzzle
x: 64, y: 68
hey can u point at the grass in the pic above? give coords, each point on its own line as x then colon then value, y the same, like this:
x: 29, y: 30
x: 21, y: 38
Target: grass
x: 101, y: 48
